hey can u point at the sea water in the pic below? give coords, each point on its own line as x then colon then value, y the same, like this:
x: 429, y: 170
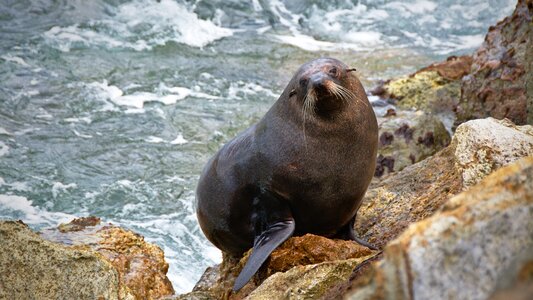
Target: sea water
x: 112, y: 107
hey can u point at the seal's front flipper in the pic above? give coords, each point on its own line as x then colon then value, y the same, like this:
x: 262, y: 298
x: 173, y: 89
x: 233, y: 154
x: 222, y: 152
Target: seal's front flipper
x: 347, y: 232
x: 273, y: 222
x: 266, y: 243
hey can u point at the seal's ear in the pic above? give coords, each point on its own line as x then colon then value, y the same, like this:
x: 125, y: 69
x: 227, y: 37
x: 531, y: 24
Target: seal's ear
x: 351, y: 70
x: 292, y: 93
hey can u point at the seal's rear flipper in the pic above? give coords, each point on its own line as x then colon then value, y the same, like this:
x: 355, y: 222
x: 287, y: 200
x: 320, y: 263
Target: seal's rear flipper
x: 269, y: 240
x: 347, y: 232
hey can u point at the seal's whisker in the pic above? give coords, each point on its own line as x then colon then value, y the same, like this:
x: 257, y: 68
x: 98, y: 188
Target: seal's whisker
x: 334, y: 89
x: 351, y: 94
x: 308, y: 110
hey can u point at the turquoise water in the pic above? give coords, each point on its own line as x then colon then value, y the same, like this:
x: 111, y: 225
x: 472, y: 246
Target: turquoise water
x: 111, y: 108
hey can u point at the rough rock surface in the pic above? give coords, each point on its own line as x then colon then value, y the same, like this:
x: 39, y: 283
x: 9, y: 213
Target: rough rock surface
x: 34, y: 268
x: 496, y: 85
x: 407, y: 138
x: 306, y: 282
x: 436, y: 88
x: 309, y: 254
x: 464, y: 250
x: 487, y: 144
x: 141, y: 266
x: 478, y: 148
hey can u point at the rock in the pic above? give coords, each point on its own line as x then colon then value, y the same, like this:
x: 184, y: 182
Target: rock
x: 453, y: 68
x: 34, y: 268
x: 306, y: 282
x: 141, y: 266
x: 501, y: 68
x: 313, y: 249
x: 529, y: 76
x: 305, y: 255
x: 464, y: 250
x: 487, y: 144
x: 478, y: 148
x: 407, y: 138
x: 436, y: 88
x: 516, y: 282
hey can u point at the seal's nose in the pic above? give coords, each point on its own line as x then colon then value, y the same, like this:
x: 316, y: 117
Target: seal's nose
x: 318, y: 81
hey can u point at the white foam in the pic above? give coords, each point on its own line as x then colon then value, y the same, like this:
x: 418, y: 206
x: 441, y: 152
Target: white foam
x: 9, y: 204
x: 3, y: 131
x: 85, y: 136
x: 161, y: 22
x: 137, y: 100
x: 17, y: 186
x: 59, y: 187
x: 236, y: 89
x: 4, y: 149
x: 179, y: 140
x: 15, y: 59
x: 86, y: 120
x: 154, y: 139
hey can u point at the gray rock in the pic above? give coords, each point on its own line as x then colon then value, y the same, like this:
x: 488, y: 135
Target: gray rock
x: 464, y: 250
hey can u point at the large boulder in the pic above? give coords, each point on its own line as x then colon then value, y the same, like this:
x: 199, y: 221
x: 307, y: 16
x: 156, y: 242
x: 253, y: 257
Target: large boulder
x: 83, y: 259
x: 34, y: 268
x: 499, y: 83
x: 478, y: 148
x: 465, y: 250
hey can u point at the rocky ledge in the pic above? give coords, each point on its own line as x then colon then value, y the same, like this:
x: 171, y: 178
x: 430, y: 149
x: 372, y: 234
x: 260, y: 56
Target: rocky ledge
x: 83, y: 259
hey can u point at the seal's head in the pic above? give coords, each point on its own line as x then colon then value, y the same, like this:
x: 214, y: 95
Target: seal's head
x: 324, y: 87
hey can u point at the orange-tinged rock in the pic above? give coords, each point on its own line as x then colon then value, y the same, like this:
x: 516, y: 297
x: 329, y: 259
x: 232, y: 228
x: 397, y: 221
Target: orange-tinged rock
x: 141, y: 265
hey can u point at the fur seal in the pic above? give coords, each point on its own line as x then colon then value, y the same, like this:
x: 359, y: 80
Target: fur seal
x: 303, y: 168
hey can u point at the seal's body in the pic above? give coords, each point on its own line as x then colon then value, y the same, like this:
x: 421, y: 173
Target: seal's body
x: 304, y: 168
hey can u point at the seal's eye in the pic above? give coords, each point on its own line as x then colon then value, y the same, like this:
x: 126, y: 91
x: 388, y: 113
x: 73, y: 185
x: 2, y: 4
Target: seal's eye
x: 292, y: 93
x: 333, y: 71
